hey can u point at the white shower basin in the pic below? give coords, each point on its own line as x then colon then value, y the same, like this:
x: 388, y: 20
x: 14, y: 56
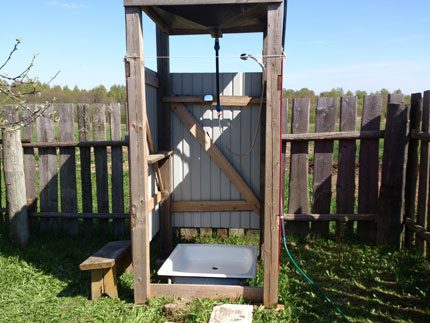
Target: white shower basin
x: 210, y: 264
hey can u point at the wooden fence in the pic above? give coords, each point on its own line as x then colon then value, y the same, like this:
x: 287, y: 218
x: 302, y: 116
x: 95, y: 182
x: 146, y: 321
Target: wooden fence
x: 365, y: 170
x: 346, y: 161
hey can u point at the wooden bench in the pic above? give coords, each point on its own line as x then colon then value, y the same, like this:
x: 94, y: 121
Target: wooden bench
x: 111, y: 260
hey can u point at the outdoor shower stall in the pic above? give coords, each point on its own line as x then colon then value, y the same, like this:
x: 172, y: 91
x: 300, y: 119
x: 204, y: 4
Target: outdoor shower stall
x: 200, y: 181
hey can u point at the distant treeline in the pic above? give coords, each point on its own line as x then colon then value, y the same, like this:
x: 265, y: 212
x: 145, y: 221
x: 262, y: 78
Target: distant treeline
x: 117, y: 93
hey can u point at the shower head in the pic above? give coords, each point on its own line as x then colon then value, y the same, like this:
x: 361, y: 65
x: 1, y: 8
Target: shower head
x: 245, y: 57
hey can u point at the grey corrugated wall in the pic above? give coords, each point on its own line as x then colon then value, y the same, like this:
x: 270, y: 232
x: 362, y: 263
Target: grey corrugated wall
x: 195, y: 175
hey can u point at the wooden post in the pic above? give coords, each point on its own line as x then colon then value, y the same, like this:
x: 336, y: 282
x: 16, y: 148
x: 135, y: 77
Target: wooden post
x: 345, y: 186
x: 30, y: 169
x: 368, y: 185
x: 48, y: 169
x: 164, y: 140
x: 13, y: 166
x: 325, y: 122
x: 138, y: 159
x: 423, y: 184
x: 69, y: 198
x: 117, y: 168
x: 84, y: 126
x: 299, y: 165
x: 100, y: 157
x: 272, y: 157
x: 412, y: 166
x: 391, y: 198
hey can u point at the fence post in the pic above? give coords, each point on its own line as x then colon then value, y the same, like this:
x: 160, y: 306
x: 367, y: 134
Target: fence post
x: 13, y: 165
x: 412, y: 165
x: 391, y: 198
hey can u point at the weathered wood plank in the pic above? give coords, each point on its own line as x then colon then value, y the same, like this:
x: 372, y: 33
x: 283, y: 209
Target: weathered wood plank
x: 412, y: 165
x: 345, y: 186
x: 298, y: 186
x: 323, y: 159
x: 30, y: 168
x: 190, y: 2
x: 272, y: 170
x: 69, y: 199
x: 391, y: 201
x: 100, y: 157
x: 369, y: 167
x: 424, y: 176
x: 13, y: 167
x: 84, y: 130
x: 233, y: 292
x: 107, y: 256
x: 331, y: 217
x: 206, y: 142
x: 418, y: 229
x: 164, y: 140
x: 225, y: 100
x: 335, y: 135
x: 48, y: 169
x: 117, y: 168
x: 210, y: 206
x: 138, y: 164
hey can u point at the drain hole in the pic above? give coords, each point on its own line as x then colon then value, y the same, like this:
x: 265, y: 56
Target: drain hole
x: 214, y: 268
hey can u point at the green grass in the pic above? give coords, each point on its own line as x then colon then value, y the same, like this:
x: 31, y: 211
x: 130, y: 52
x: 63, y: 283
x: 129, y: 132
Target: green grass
x: 43, y: 283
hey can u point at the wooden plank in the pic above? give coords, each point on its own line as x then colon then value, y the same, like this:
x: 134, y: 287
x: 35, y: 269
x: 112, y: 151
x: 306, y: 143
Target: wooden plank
x: 69, y: 199
x: 323, y: 159
x: 30, y: 168
x: 138, y: 167
x: 154, y: 158
x: 142, y: 3
x: 117, y: 168
x: 272, y: 165
x: 331, y: 217
x: 210, y: 206
x: 298, y: 185
x: 72, y: 144
x: 81, y: 215
x: 107, y: 256
x: 424, y: 176
x: 412, y: 165
x: 151, y: 78
x: 345, y: 186
x: 232, y: 292
x: 418, y: 229
x: 48, y: 170
x: 164, y: 119
x: 368, y: 184
x: 226, y: 100
x: 335, y: 135
x: 84, y: 129
x: 100, y: 157
x: 160, y: 155
x: 206, y: 142
x: 391, y: 202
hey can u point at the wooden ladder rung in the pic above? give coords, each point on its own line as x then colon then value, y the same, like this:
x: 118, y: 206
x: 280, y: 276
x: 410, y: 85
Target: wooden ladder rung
x: 160, y: 155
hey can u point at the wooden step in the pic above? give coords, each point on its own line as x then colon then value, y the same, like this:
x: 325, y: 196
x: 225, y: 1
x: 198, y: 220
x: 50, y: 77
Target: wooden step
x: 159, y: 155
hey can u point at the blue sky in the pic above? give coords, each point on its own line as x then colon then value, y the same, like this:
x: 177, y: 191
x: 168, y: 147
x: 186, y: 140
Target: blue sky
x: 354, y: 44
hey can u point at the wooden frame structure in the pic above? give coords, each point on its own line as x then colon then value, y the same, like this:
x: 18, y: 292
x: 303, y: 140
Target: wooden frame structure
x: 267, y: 18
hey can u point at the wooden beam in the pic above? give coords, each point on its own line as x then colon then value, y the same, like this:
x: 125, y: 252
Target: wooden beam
x: 153, y: 159
x: 272, y: 159
x: 164, y: 139
x: 210, y: 206
x: 232, y: 292
x: 160, y: 155
x: 337, y: 135
x: 71, y: 144
x: 83, y: 215
x: 329, y: 217
x: 418, y: 229
x: 138, y: 159
x: 217, y: 156
x: 226, y: 100
x: 142, y: 3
